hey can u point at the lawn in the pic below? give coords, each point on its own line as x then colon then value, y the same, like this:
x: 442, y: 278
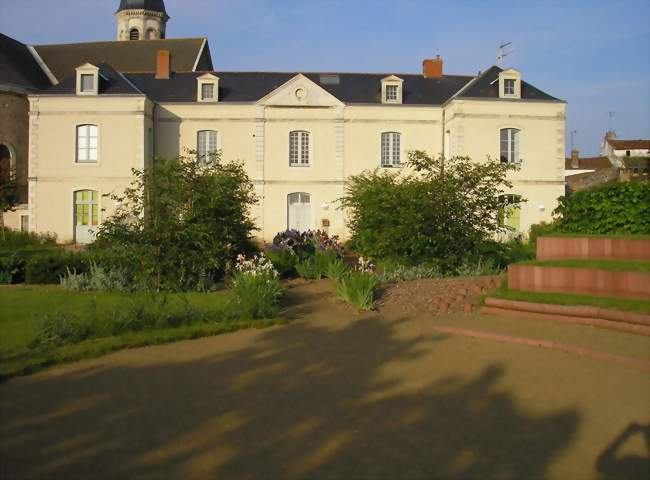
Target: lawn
x: 22, y: 309
x: 630, y: 305
x: 620, y: 265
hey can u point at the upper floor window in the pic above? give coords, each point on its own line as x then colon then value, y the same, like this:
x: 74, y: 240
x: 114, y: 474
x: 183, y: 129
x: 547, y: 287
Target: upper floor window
x: 87, y: 82
x: 391, y: 151
x: 509, y: 146
x: 134, y: 34
x: 391, y: 93
x: 87, y: 144
x: 299, y: 149
x: 207, y: 91
x: 509, y: 86
x: 207, y: 146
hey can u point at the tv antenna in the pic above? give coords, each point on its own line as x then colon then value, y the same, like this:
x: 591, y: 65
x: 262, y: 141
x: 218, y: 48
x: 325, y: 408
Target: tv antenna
x: 610, y: 120
x: 503, y: 53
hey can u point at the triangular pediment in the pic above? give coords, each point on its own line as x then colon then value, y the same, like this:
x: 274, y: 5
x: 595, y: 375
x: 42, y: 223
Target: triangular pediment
x: 300, y: 91
x: 392, y: 78
x: 207, y: 76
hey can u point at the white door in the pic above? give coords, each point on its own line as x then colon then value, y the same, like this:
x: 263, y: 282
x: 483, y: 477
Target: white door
x: 86, y: 215
x: 299, y: 212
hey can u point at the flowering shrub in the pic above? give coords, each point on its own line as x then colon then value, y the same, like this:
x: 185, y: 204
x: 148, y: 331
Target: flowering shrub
x: 255, y: 287
x: 358, y: 286
x: 306, y: 243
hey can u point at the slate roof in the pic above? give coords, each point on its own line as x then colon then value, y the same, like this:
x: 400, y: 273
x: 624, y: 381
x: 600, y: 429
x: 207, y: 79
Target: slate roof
x: 589, y: 163
x: 252, y: 86
x: 485, y: 86
x: 18, y: 67
x: 111, y: 82
x: 155, y: 5
x: 125, y: 56
x: 629, y: 144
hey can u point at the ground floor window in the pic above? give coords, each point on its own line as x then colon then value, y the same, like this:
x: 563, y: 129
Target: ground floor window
x: 511, y: 211
x: 24, y: 223
x: 86, y: 215
x: 299, y: 214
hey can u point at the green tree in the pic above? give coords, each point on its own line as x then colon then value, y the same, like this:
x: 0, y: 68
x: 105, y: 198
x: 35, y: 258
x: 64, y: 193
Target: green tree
x: 8, y: 193
x: 436, y: 208
x: 180, y: 223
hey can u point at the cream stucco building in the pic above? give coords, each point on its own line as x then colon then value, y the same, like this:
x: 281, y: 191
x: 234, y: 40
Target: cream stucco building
x: 299, y: 135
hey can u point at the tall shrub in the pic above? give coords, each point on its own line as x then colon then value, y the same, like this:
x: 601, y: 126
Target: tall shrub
x: 440, y: 208
x: 621, y: 208
x: 181, y: 223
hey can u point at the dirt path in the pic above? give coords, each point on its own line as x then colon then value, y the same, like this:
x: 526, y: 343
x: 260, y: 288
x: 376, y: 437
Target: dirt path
x: 336, y: 395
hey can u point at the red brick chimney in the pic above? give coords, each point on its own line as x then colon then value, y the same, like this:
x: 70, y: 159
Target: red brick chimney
x: 163, y: 64
x: 432, y: 68
x: 575, y: 158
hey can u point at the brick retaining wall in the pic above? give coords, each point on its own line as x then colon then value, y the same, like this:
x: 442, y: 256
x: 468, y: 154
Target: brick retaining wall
x: 585, y: 248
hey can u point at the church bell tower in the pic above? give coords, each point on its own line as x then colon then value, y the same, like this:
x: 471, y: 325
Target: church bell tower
x: 141, y: 20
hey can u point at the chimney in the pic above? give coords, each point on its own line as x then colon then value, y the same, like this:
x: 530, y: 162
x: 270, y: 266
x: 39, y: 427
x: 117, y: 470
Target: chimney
x: 432, y: 68
x: 163, y: 64
x: 575, y: 158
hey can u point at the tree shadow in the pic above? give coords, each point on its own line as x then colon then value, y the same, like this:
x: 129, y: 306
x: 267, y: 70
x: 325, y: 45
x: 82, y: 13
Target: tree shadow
x: 613, y: 465
x: 351, y: 401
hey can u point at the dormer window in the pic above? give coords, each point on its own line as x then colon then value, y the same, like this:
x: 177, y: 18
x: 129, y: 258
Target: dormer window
x: 208, y: 88
x: 510, y: 84
x: 87, y: 80
x: 391, y: 89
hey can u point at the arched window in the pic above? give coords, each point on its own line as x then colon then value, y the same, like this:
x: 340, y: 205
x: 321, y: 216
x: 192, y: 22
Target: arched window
x: 509, y: 141
x: 299, y: 149
x: 86, y: 215
x: 207, y: 146
x: 299, y: 212
x: 510, y: 215
x: 391, y: 149
x: 87, y: 144
x: 134, y: 34
x: 151, y: 34
x: 6, y: 162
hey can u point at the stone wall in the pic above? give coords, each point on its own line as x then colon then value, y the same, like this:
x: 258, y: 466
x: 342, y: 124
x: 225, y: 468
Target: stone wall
x: 14, y: 133
x: 582, y: 181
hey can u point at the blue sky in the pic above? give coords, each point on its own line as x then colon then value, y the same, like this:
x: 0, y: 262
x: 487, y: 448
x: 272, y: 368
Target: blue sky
x: 593, y: 53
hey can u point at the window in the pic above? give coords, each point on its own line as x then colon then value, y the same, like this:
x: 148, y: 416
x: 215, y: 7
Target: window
x: 134, y: 34
x: 627, y: 153
x: 206, y: 146
x: 87, y: 82
x: 86, y: 215
x: 391, y: 93
x: 391, y: 149
x: 299, y: 149
x: 510, y: 146
x: 509, y: 86
x: 6, y: 163
x: 299, y: 213
x: 207, y: 91
x: 87, y: 144
x: 24, y: 223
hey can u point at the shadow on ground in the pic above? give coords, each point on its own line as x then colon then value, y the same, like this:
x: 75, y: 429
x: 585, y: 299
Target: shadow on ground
x: 302, y: 401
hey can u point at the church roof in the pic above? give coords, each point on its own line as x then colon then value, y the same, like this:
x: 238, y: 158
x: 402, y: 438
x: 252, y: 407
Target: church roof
x: 18, y: 67
x: 188, y: 55
x: 155, y: 5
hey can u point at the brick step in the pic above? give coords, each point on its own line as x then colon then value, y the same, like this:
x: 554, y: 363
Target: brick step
x: 628, y: 322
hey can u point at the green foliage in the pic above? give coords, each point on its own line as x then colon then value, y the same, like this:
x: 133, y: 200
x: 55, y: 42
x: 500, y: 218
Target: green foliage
x: 97, y: 279
x: 621, y: 208
x: 315, y: 266
x: 62, y: 328
x: 12, y: 268
x: 50, y: 266
x: 284, y: 262
x: 393, y: 273
x: 13, y: 239
x: 443, y: 210
x: 8, y: 193
x: 541, y: 230
x: 336, y: 269
x: 255, y: 289
x: 181, y: 223
x: 358, y: 288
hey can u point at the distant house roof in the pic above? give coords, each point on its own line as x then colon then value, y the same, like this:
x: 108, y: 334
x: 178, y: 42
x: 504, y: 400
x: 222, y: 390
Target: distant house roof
x: 359, y: 88
x: 18, y: 67
x: 188, y: 55
x: 629, y: 144
x: 589, y: 163
x: 485, y: 86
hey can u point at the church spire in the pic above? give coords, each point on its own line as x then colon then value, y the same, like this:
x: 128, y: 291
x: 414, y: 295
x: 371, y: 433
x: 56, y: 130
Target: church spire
x: 141, y: 20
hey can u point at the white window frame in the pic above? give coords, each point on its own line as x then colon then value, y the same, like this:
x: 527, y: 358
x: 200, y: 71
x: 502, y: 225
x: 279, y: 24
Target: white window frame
x: 390, y: 153
x: 87, y: 148
x: 509, y: 87
x: 513, y: 149
x: 87, y: 69
x: 202, y: 157
x: 207, y: 79
x: 394, y: 83
x: 300, y: 148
